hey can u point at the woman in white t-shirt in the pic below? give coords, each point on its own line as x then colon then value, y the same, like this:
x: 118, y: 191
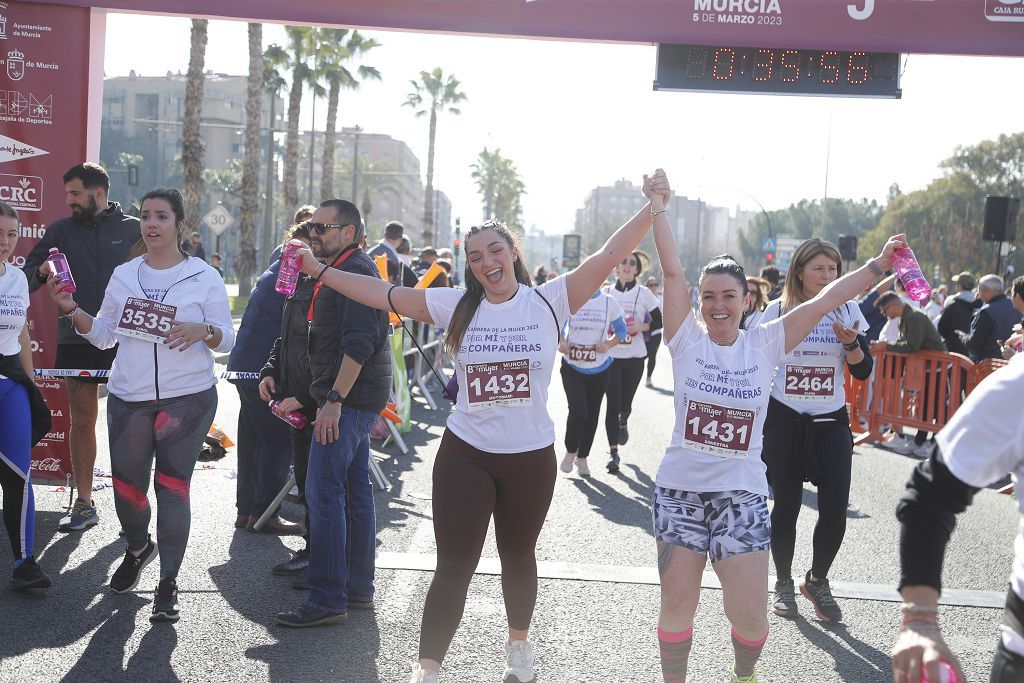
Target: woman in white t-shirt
x: 638, y: 303
x: 16, y: 389
x: 807, y: 430
x: 168, y: 312
x: 497, y: 455
x: 591, y: 331
x: 710, y: 497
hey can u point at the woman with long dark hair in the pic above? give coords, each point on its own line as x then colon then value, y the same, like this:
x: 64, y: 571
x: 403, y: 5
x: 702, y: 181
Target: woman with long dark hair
x: 168, y: 312
x: 497, y: 456
x: 627, y: 369
x: 807, y: 432
x: 710, y: 499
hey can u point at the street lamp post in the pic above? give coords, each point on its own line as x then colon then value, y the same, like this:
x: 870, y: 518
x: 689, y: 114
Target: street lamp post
x: 355, y: 161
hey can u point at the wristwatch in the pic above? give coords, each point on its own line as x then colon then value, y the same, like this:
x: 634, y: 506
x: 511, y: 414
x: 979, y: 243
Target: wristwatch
x: 210, y: 331
x: 334, y: 397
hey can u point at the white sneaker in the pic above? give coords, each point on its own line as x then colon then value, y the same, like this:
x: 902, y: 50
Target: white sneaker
x: 649, y: 384
x: 906, y: 447
x: 518, y: 662
x: 582, y: 468
x: 567, y: 461
x: 421, y: 675
x: 924, y: 451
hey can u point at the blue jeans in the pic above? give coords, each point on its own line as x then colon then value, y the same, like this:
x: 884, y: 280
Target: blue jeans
x: 264, y: 453
x: 342, y: 520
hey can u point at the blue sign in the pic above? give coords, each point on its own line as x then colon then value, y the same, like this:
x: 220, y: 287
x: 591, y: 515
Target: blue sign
x: 768, y: 245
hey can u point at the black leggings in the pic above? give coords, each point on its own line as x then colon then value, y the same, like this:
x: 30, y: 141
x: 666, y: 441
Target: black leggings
x: 623, y: 379
x: 1007, y: 667
x: 585, y: 393
x: 834, y: 446
x: 652, y: 353
x: 470, y: 486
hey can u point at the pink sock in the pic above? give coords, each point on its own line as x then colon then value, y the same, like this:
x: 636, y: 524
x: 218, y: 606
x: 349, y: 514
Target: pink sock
x: 747, y: 652
x: 675, y: 653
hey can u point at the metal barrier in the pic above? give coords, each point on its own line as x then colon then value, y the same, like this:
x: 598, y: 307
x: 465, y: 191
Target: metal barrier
x: 424, y: 369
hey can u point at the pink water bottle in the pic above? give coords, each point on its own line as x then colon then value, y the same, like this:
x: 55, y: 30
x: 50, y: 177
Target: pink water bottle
x: 59, y: 267
x: 907, y: 267
x: 294, y: 418
x: 288, y: 275
x: 946, y: 674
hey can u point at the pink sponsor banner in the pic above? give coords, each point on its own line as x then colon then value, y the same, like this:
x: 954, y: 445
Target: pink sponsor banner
x: 44, y: 51
x: 977, y: 27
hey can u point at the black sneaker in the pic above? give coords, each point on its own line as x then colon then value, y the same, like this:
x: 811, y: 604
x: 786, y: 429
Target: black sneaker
x: 28, y: 575
x: 623, y: 433
x: 165, y: 604
x: 784, y: 603
x: 293, y: 565
x: 301, y: 582
x: 820, y: 595
x: 127, y: 575
x: 613, y: 463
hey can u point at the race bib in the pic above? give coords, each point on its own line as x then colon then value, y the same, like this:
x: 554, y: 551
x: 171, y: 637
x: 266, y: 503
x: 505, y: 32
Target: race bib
x: 718, y: 430
x: 810, y: 382
x: 505, y: 383
x: 629, y: 323
x: 582, y: 354
x: 146, y: 319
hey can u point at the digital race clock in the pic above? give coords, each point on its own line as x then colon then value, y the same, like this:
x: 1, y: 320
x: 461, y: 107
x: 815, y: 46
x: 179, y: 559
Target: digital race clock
x: 718, y: 68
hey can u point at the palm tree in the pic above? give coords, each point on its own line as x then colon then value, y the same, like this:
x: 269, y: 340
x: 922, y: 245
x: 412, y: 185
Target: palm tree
x: 338, y: 46
x: 433, y: 94
x: 302, y: 47
x: 498, y: 182
x: 273, y: 83
x: 484, y: 173
x: 245, y: 262
x: 191, y: 141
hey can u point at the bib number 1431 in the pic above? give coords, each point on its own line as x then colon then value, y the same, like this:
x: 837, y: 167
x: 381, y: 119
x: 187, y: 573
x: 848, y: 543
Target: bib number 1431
x: 718, y: 430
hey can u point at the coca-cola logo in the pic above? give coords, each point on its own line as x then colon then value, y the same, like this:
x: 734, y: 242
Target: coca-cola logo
x: 46, y: 465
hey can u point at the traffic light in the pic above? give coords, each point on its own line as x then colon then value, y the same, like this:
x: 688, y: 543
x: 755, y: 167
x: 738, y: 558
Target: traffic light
x: 768, y: 258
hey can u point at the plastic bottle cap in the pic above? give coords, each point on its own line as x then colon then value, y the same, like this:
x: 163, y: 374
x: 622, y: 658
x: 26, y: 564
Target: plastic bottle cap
x: 54, y: 250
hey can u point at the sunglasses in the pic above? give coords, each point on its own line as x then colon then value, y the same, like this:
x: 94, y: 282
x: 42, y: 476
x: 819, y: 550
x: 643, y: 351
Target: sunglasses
x: 321, y: 228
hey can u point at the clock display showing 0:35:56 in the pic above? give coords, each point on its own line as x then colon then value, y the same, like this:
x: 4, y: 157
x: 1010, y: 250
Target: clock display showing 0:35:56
x: 723, y: 68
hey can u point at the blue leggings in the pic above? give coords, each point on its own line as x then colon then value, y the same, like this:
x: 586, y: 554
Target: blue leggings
x: 16, y: 468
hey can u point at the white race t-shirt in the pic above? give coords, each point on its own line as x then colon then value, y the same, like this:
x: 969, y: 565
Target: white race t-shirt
x: 587, y: 328
x: 721, y: 397
x: 155, y: 283
x: 812, y: 378
x: 984, y: 440
x: 504, y: 366
x: 636, y: 302
x: 13, y: 309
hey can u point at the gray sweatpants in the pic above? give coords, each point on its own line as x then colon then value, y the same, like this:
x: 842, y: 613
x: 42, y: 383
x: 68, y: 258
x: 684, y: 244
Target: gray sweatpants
x: 171, y: 430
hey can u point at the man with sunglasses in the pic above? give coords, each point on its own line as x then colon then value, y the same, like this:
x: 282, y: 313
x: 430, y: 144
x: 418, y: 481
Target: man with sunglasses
x: 350, y: 363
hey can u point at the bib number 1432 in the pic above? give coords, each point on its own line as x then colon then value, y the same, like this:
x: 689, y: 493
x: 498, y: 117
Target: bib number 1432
x: 501, y: 383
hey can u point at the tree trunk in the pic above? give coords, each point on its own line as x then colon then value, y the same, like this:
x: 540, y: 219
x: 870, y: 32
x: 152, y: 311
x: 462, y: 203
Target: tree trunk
x: 428, y: 202
x: 245, y: 263
x: 327, y: 177
x: 191, y: 141
x: 291, y: 146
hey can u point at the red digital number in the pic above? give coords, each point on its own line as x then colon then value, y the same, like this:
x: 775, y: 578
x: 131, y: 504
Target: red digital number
x: 764, y: 60
x: 829, y: 73
x: 857, y: 68
x: 725, y: 64
x: 790, y: 66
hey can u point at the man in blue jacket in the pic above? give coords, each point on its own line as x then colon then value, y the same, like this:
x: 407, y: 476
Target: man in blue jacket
x: 350, y: 362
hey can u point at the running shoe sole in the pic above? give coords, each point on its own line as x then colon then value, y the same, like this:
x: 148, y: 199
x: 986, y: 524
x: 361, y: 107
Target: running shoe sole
x: 163, y: 617
x: 40, y: 582
x: 512, y: 678
x: 821, y: 616
x: 322, y: 621
x: 69, y: 526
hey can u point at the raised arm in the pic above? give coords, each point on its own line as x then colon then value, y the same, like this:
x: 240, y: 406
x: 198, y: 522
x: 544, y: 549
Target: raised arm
x: 583, y: 281
x: 676, y: 292
x: 801, y: 320
x: 369, y: 291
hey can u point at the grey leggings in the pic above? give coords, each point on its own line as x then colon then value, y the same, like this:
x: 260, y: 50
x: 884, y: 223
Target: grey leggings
x: 171, y: 430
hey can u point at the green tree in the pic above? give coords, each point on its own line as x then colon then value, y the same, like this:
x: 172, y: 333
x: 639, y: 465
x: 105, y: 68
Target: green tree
x: 500, y: 187
x: 301, y: 50
x: 433, y: 94
x: 191, y: 140
x: 338, y: 47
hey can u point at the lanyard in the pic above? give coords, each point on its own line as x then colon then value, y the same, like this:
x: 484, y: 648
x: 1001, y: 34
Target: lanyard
x: 316, y: 290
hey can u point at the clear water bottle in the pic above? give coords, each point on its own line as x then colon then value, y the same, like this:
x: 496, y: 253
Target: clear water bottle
x: 294, y: 418
x: 909, y: 270
x: 288, y: 275
x: 59, y: 267
x: 946, y: 674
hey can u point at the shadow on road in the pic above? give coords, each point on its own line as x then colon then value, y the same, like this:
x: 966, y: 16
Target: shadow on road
x: 849, y: 665
x: 810, y: 500
x: 619, y: 508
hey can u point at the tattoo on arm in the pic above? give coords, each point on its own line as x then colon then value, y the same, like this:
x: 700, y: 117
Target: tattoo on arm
x: 664, y: 557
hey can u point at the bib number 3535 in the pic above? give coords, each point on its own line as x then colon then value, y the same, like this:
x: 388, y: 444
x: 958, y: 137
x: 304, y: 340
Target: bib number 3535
x: 504, y: 383
x: 718, y: 430
x: 146, y: 319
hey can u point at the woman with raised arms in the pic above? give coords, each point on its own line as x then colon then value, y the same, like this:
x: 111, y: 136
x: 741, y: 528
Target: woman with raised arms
x: 497, y: 455
x: 710, y: 497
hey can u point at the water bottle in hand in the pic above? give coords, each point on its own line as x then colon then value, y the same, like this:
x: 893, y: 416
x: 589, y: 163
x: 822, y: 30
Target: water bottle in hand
x: 294, y: 418
x: 909, y: 270
x: 59, y: 267
x: 288, y: 275
x: 946, y: 674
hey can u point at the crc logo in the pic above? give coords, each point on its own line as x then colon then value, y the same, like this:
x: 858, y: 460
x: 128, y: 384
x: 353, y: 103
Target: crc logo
x: 23, y: 192
x: 1004, y: 10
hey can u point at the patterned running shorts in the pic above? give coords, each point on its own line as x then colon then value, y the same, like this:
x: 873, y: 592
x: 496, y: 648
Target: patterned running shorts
x: 718, y: 524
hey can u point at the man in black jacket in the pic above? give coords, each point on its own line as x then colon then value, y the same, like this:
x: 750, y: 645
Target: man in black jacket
x: 96, y: 238
x: 958, y: 313
x: 350, y: 363
x: 994, y: 322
